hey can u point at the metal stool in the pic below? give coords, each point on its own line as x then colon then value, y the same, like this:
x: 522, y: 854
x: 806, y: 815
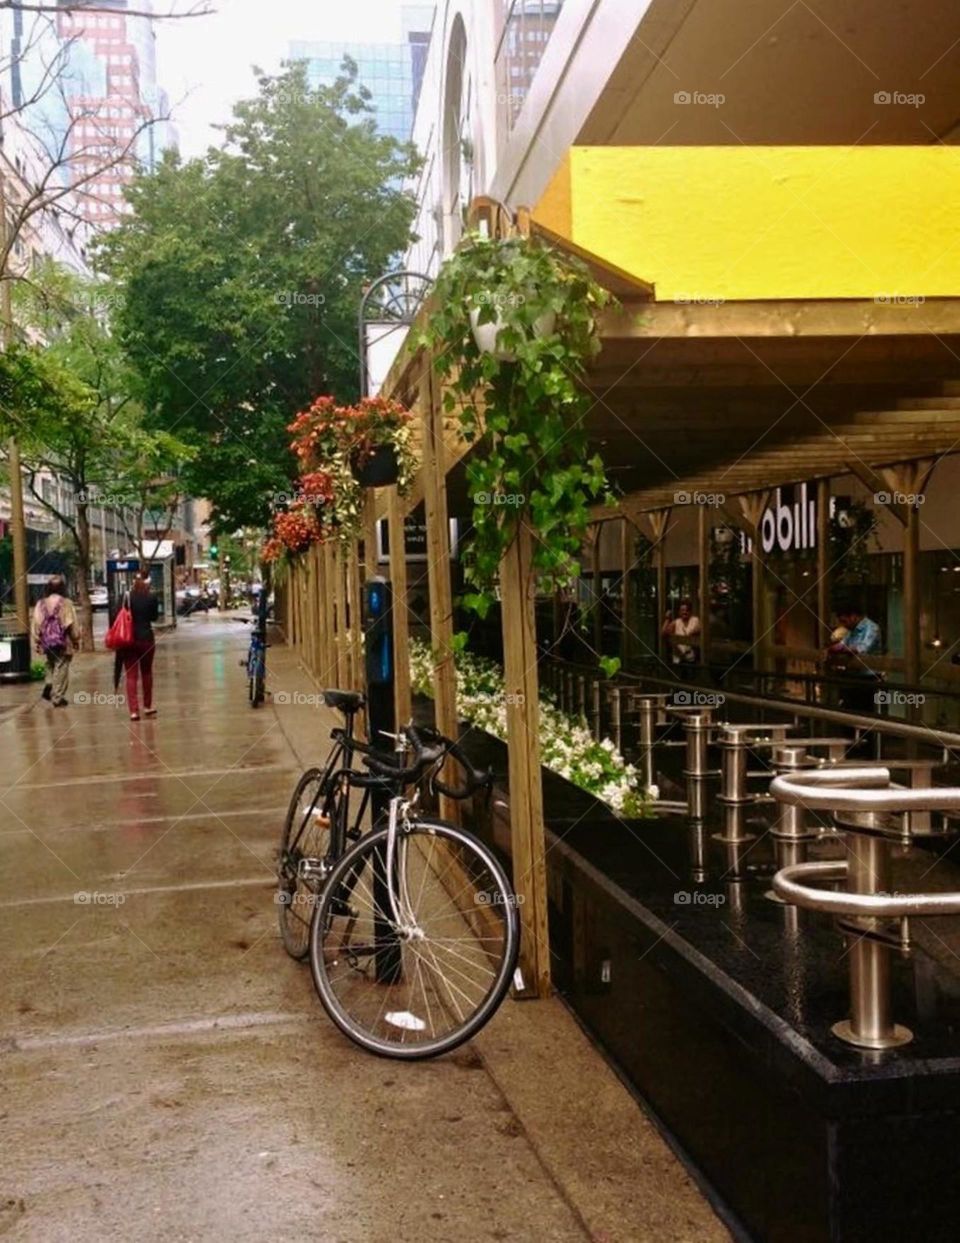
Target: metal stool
x: 861, y: 799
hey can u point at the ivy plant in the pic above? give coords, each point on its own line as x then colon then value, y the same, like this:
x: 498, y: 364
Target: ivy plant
x: 524, y: 406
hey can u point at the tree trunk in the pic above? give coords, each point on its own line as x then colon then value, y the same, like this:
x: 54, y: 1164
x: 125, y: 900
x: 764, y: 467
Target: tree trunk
x: 83, y: 577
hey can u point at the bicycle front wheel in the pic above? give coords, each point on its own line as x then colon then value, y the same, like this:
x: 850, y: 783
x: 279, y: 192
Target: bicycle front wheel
x: 415, y: 976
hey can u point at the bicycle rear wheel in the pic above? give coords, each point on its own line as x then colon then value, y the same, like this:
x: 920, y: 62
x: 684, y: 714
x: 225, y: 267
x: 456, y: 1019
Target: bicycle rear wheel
x: 306, y: 837
x: 422, y: 991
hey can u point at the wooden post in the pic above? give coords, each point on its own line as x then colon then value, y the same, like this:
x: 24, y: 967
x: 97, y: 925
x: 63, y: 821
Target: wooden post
x: 596, y: 539
x: 659, y: 520
x: 523, y: 745
x: 330, y: 613
x: 752, y: 505
x: 911, y: 597
x: 626, y: 589
x: 823, y: 562
x: 438, y: 571
x: 402, y: 697
x: 370, y: 567
x: 703, y: 550
x: 310, y: 589
x: 354, y: 608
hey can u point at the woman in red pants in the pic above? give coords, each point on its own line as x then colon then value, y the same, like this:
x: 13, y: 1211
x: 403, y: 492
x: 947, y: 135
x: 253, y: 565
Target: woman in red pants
x: 138, y: 659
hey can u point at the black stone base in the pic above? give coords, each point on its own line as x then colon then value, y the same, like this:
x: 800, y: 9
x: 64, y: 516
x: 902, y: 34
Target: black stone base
x: 717, y: 1005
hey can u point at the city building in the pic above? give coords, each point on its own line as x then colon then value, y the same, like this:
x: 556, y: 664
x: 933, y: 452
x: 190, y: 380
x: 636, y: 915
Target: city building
x: 391, y: 71
x: 116, y: 114
x: 73, y: 88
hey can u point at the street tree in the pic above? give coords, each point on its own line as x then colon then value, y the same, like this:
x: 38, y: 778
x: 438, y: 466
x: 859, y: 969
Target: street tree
x: 242, y: 273
x: 68, y: 398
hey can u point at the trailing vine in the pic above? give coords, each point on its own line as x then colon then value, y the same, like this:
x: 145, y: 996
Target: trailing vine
x: 853, y: 530
x: 523, y: 405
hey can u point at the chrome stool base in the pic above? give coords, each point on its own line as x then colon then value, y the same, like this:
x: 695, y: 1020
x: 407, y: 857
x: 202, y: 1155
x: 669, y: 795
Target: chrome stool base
x: 844, y: 1031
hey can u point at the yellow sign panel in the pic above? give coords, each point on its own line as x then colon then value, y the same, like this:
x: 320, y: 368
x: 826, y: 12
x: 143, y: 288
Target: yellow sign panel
x: 708, y: 224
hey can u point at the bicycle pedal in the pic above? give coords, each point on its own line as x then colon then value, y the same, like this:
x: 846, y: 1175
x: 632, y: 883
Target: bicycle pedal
x: 312, y: 869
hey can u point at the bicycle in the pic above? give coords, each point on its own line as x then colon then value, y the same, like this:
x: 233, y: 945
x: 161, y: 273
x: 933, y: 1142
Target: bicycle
x: 318, y: 827
x: 415, y: 936
x: 256, y: 661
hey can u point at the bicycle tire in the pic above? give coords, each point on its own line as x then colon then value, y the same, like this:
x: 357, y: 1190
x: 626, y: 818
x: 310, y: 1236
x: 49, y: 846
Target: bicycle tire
x: 295, y: 896
x: 351, y: 995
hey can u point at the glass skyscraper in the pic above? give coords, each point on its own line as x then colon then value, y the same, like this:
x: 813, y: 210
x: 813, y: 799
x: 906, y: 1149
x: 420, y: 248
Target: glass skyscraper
x: 391, y: 72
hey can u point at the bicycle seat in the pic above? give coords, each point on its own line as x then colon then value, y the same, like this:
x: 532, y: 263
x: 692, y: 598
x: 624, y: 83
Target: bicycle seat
x: 346, y: 701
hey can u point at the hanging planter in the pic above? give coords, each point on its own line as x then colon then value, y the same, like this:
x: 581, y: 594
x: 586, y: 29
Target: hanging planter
x: 377, y: 467
x: 487, y: 334
x: 343, y: 449
x: 514, y: 326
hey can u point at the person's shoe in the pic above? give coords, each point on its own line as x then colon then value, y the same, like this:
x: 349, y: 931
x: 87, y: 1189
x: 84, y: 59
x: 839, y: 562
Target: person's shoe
x: 60, y: 703
x: 149, y: 712
x: 134, y: 716
x: 47, y: 691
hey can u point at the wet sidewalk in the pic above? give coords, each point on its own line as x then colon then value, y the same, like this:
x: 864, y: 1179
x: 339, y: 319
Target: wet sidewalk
x: 167, y: 1071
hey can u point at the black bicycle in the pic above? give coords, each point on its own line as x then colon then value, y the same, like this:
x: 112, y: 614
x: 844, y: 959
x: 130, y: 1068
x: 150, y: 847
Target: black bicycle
x: 415, y: 933
x: 256, y: 660
x: 319, y: 826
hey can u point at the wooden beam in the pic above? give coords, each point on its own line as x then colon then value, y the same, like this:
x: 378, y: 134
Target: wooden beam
x: 639, y: 320
x: 875, y: 482
x: 438, y: 572
x: 823, y: 562
x: 402, y: 697
x: 525, y: 774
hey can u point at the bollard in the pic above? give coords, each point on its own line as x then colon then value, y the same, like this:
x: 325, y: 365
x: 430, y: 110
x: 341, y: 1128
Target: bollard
x: 648, y: 716
x: 791, y: 822
x: 736, y: 742
x: 871, y: 1022
x: 860, y: 798
x: 616, y: 727
x: 733, y: 766
x: 734, y: 825
x: 697, y: 727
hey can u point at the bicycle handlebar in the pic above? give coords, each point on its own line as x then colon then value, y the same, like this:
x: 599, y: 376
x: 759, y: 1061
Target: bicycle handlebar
x: 430, y: 749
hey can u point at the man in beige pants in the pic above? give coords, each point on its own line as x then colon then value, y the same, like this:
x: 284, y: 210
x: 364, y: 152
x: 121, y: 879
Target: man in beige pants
x: 56, y: 636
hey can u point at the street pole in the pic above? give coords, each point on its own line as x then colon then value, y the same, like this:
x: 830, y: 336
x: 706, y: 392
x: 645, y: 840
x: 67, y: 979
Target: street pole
x: 18, y: 534
x: 18, y: 526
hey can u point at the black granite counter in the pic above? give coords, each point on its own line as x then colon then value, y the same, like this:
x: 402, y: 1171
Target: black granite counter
x: 717, y: 1003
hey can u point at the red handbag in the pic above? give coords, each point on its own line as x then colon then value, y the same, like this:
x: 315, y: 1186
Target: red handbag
x: 120, y: 634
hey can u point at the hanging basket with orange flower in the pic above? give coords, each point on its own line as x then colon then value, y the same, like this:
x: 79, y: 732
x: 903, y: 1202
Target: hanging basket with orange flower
x: 341, y: 449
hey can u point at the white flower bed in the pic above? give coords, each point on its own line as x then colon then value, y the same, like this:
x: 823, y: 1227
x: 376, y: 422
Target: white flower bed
x: 566, y: 746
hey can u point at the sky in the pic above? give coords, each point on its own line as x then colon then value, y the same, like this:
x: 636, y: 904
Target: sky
x: 204, y: 63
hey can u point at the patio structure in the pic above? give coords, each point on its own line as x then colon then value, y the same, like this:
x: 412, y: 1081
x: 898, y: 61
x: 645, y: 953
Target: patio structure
x: 766, y: 334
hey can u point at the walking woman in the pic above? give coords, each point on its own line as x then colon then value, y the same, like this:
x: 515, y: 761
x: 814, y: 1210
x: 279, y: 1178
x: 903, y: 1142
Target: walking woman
x: 56, y: 636
x: 138, y: 658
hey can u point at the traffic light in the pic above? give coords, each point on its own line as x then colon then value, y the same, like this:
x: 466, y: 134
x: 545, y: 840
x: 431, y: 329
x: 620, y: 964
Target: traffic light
x: 214, y: 552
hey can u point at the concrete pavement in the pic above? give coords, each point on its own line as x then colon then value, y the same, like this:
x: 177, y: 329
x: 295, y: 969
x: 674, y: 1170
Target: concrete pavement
x: 166, y: 1070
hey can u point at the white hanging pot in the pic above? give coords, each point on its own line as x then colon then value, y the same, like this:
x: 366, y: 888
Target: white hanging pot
x: 486, y: 335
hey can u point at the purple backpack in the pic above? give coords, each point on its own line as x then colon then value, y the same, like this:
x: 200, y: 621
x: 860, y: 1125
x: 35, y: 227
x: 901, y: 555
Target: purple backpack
x: 53, y: 636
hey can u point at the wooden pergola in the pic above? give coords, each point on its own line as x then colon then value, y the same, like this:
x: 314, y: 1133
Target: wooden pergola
x: 727, y: 397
